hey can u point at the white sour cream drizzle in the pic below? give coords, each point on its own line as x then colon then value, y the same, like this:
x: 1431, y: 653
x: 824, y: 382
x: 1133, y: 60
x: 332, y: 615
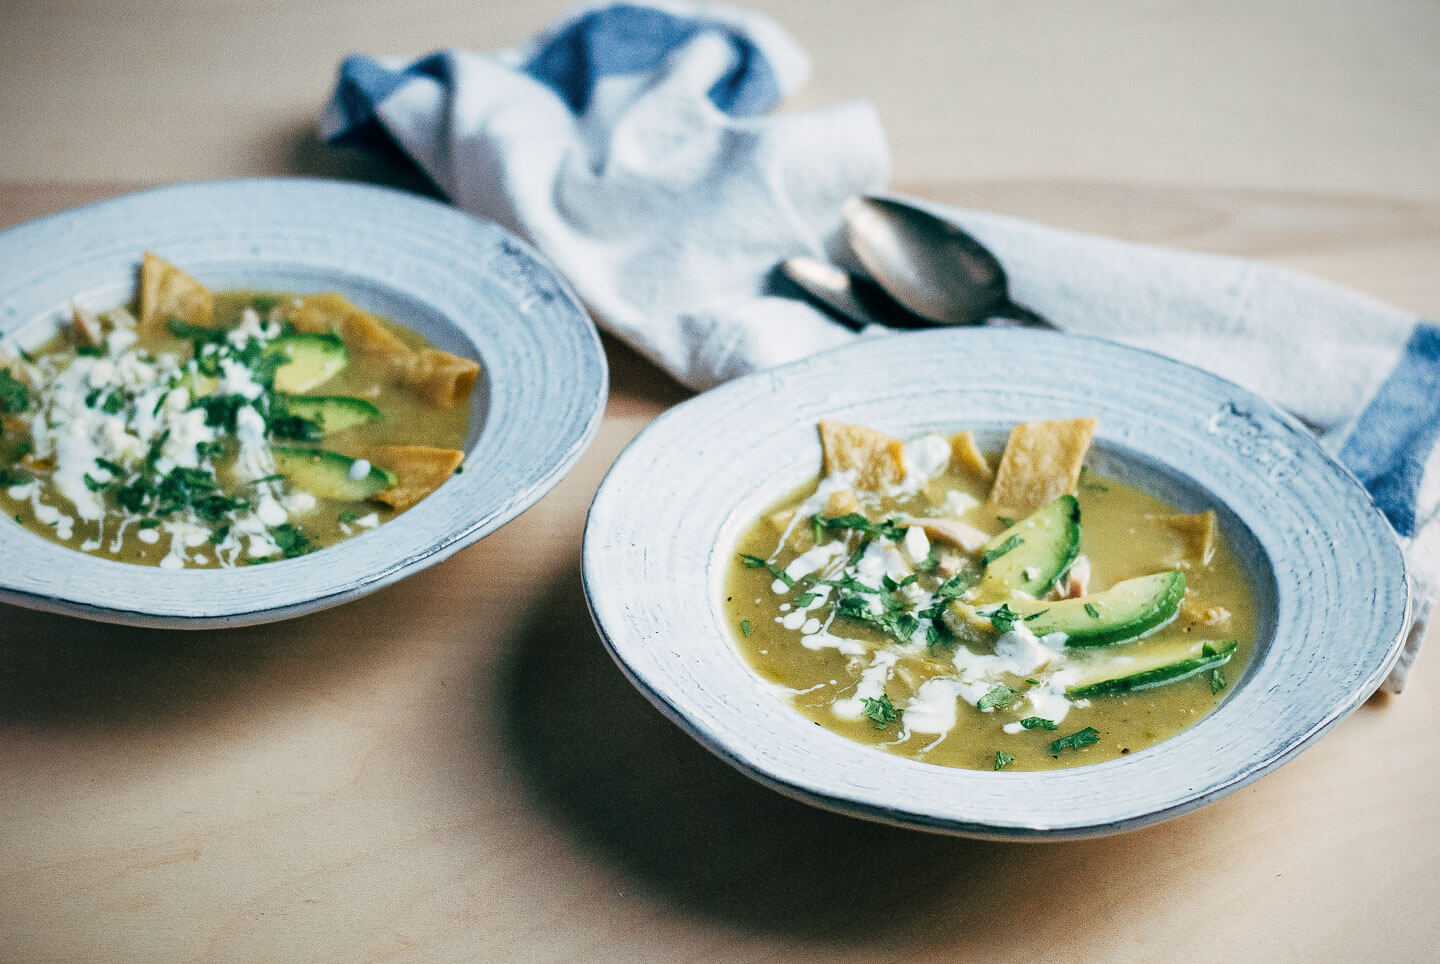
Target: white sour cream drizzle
x: 80, y: 418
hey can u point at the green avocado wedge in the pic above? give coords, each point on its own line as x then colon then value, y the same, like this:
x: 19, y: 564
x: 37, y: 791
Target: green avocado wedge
x: 1033, y: 553
x: 332, y: 413
x: 330, y: 475
x: 1125, y: 611
x: 310, y: 360
x: 1211, y: 656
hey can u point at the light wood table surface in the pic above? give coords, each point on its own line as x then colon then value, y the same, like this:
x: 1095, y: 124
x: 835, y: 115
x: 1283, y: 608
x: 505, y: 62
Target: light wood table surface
x: 453, y: 769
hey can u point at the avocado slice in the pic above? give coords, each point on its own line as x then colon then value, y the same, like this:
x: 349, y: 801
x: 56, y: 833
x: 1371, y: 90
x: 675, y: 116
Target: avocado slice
x: 1127, y: 610
x: 1211, y: 656
x: 1033, y: 553
x: 330, y: 475
x: 333, y: 413
x: 310, y: 360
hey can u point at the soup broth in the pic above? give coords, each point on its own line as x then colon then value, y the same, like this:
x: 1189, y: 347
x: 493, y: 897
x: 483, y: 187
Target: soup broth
x: 915, y: 644
x: 279, y: 425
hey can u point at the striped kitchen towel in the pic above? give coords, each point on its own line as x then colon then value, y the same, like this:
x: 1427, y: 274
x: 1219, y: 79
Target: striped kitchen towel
x: 633, y: 144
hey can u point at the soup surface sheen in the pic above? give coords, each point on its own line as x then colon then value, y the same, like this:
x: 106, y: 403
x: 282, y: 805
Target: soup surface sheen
x: 904, y: 641
x: 185, y: 445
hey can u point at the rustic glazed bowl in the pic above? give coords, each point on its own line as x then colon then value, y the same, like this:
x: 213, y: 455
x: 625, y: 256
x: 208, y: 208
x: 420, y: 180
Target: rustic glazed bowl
x: 468, y: 285
x: 1327, y: 572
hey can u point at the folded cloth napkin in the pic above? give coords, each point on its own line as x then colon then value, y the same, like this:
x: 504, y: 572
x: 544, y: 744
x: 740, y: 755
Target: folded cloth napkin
x: 632, y: 144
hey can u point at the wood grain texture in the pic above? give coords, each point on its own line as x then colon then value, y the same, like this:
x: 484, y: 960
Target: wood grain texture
x: 453, y: 769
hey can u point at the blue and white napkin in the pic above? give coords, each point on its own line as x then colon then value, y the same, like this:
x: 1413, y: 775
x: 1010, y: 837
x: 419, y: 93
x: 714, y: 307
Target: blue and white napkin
x: 634, y: 145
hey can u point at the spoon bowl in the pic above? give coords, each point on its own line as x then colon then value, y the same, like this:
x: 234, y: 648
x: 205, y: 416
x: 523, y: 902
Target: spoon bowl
x: 929, y: 265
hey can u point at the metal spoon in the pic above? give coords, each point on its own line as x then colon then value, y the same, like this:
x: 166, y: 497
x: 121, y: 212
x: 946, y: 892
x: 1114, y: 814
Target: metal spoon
x: 856, y: 300
x: 931, y: 266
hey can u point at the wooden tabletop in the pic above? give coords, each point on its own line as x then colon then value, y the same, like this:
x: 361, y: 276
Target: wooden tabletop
x: 452, y: 768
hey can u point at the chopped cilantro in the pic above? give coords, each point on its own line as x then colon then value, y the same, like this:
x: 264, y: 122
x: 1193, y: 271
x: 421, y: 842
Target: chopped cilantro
x: 92, y: 351
x: 114, y: 404
x: 1217, y: 680
x: 881, y: 711
x: 1005, y: 521
x: 755, y: 562
x: 149, y: 523
x: 182, y: 329
x: 221, y: 410
x: 112, y: 467
x: 854, y: 521
x: 346, y: 518
x: 1082, y: 738
x: 1036, y: 615
x: 1038, y: 723
x: 294, y: 428
x: 805, y: 599
x: 1000, y: 695
x: 13, y: 476
x: 1014, y: 542
x: 264, y: 304
x: 1004, y: 618
x: 745, y: 628
x: 220, y: 534
x: 1091, y: 611
x: 91, y: 484
x: 1003, y: 759
x: 817, y: 529
x: 14, y: 396
x: 291, y: 540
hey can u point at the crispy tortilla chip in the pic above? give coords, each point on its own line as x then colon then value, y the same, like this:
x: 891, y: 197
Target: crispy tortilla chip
x: 419, y: 470
x: 332, y: 313
x: 841, y: 502
x: 967, y: 457
x: 438, y: 377
x: 878, y: 459
x: 1041, y: 463
x: 167, y: 292
x: 86, y: 327
x: 1196, y: 531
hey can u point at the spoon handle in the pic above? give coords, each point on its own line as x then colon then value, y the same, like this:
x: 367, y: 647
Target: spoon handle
x: 1026, y: 317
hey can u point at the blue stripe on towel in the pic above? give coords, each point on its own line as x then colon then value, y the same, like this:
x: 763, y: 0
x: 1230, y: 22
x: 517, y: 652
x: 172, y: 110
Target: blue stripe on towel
x: 1398, y: 430
x: 631, y: 39
x: 615, y: 40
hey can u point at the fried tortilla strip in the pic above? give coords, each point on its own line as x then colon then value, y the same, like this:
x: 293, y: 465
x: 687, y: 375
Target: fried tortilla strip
x: 1041, y: 463
x: 332, y: 313
x: 1196, y: 531
x: 167, y: 292
x: 878, y: 459
x: 86, y: 327
x: 438, y: 377
x: 968, y: 457
x: 419, y: 470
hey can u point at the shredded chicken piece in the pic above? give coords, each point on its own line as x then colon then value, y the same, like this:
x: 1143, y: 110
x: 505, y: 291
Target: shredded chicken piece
x: 1076, y: 581
x: 953, y: 531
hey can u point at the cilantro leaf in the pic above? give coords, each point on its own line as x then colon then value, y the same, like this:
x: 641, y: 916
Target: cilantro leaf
x: 1217, y: 680
x: 14, y: 395
x: 745, y: 628
x: 855, y: 522
x: 1000, y: 695
x: 755, y: 562
x: 1010, y: 544
x: 1082, y: 738
x: 1038, y: 723
x: 1003, y: 619
x: 1091, y: 611
x: 1003, y: 759
x: 881, y: 711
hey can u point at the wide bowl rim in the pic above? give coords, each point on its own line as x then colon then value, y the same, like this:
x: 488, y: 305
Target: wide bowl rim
x: 618, y: 608
x: 367, y: 241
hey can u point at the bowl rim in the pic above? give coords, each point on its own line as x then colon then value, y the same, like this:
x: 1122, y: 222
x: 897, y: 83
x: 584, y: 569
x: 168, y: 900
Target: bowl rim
x: 632, y: 624
x: 543, y: 390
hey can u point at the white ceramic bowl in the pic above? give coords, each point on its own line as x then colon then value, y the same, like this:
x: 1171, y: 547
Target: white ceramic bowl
x: 1326, y: 568
x: 468, y: 285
